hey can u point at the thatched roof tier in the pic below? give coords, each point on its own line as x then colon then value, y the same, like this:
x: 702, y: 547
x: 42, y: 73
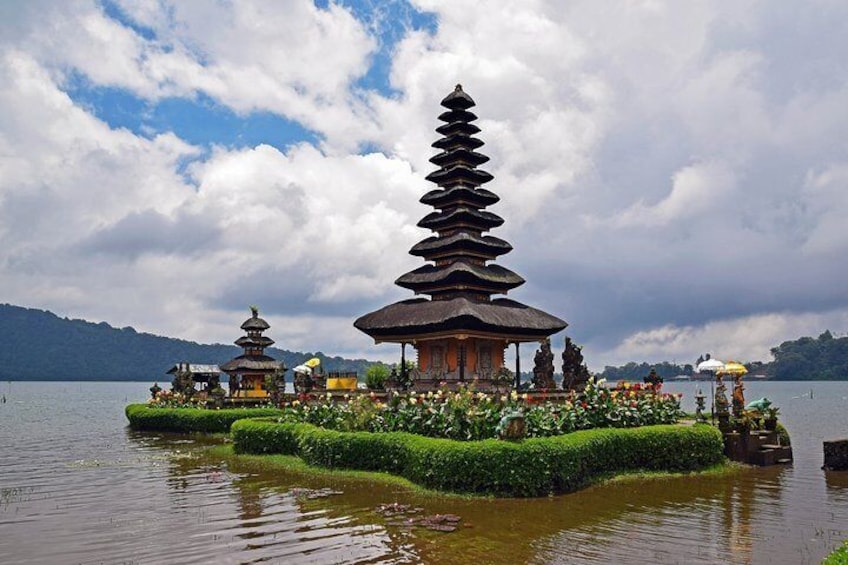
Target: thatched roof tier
x: 255, y: 323
x: 460, y: 244
x: 459, y: 275
x: 418, y: 319
x: 460, y: 194
x: 254, y: 341
x: 458, y: 99
x: 457, y: 128
x: 462, y: 216
x: 253, y: 363
x: 458, y: 140
x: 457, y: 174
x: 459, y: 156
x: 457, y: 116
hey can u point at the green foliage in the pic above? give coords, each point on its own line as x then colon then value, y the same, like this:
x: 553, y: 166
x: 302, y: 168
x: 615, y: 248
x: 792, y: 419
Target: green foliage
x: 468, y: 415
x: 376, y: 375
x: 839, y: 556
x: 783, y: 434
x: 81, y: 350
x: 534, y: 467
x: 184, y: 420
x: 825, y: 358
x: 633, y: 371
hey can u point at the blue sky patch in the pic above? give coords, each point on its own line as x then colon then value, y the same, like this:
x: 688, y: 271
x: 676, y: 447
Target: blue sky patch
x: 200, y: 120
x: 389, y: 21
x: 115, y: 12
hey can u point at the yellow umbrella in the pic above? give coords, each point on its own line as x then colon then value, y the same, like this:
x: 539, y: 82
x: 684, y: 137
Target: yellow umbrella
x: 312, y: 363
x: 732, y: 368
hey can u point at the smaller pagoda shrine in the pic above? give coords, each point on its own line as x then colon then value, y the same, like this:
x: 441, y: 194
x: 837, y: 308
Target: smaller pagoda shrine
x: 249, y: 370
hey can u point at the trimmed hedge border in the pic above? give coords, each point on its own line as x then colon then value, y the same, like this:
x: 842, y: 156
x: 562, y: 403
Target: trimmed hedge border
x: 183, y: 420
x: 838, y: 556
x: 533, y: 467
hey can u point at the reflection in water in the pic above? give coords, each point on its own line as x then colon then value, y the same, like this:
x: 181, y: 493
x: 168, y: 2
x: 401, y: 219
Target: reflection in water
x: 101, y: 493
x: 259, y: 517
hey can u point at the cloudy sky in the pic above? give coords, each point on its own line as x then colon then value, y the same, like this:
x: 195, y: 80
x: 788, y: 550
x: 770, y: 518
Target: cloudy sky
x: 672, y: 174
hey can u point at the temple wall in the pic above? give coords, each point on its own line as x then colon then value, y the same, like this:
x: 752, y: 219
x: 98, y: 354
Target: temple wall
x: 450, y: 354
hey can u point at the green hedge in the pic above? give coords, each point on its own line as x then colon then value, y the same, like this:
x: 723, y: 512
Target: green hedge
x: 143, y: 417
x: 533, y: 467
x: 839, y: 556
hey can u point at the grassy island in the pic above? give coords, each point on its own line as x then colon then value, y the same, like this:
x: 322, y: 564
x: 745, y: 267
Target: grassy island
x: 533, y: 467
x: 449, y: 441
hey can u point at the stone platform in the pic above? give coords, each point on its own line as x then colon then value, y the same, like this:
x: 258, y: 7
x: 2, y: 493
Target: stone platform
x: 757, y: 447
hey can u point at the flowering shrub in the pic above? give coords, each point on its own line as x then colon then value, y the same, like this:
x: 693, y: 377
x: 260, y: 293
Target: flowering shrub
x: 172, y: 399
x: 469, y: 415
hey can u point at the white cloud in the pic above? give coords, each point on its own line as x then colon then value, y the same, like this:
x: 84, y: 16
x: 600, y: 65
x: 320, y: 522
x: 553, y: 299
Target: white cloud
x: 672, y: 175
x: 698, y: 194
x: 743, y: 339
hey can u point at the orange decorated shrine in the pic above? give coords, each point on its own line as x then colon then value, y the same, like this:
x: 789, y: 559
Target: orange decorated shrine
x: 249, y: 370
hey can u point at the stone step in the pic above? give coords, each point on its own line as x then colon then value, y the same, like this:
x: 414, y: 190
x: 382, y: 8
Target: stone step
x: 771, y: 456
x: 764, y: 457
x: 784, y: 452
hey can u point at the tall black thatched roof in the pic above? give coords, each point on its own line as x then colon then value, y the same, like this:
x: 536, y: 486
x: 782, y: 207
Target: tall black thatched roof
x: 459, y: 276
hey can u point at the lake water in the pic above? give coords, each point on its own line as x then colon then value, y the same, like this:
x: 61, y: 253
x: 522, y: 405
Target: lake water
x: 77, y: 486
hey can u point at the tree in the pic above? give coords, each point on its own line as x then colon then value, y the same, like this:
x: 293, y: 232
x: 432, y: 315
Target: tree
x: 376, y: 375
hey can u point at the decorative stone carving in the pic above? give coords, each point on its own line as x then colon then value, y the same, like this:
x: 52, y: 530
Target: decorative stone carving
x: 738, y: 396
x: 653, y: 378
x: 512, y: 427
x: 543, y: 371
x: 575, y: 374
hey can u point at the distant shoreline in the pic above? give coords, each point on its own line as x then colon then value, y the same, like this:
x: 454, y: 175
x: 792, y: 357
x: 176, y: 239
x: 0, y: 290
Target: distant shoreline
x: 165, y: 380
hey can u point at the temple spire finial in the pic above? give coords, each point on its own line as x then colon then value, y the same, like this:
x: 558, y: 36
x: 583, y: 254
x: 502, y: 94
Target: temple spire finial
x: 255, y: 311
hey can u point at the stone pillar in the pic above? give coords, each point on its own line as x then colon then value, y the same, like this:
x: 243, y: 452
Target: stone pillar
x: 836, y: 455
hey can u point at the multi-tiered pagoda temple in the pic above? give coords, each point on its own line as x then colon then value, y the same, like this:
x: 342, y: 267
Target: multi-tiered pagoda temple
x: 460, y: 332
x: 248, y: 371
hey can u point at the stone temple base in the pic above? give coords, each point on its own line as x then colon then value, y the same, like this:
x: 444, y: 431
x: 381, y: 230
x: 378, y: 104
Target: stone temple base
x: 761, y: 448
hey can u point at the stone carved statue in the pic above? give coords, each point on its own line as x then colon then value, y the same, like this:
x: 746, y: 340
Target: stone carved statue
x: 575, y: 374
x: 653, y: 378
x: 543, y: 371
x: 738, y: 396
x: 722, y: 405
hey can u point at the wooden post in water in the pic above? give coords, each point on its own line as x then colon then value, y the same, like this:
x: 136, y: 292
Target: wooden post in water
x: 836, y: 455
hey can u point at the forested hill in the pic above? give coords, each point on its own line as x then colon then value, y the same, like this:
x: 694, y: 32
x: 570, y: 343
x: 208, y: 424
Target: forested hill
x: 807, y: 358
x: 38, y: 345
x: 635, y: 371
